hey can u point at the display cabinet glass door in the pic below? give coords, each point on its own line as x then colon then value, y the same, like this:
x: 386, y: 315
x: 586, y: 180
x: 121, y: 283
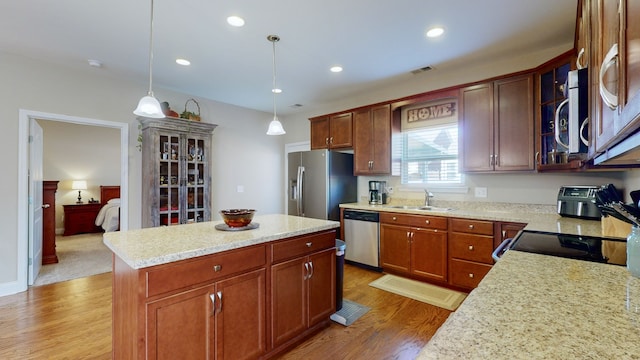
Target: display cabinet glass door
x: 169, y: 180
x: 552, y: 85
x: 196, y: 209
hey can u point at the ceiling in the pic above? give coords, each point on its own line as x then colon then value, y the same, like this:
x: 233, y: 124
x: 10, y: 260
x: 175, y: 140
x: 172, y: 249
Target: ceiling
x: 376, y: 42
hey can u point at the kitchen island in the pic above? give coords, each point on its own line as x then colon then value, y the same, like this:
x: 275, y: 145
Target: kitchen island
x: 193, y: 291
x: 532, y: 306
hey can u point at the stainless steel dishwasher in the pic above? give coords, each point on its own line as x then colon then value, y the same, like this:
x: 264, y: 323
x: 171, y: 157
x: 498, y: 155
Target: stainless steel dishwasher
x: 362, y: 236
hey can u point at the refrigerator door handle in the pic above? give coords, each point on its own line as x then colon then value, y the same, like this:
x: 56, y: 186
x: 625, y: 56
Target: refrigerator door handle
x: 300, y: 200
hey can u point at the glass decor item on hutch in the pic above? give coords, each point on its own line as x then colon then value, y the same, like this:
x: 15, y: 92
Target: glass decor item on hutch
x: 176, y: 171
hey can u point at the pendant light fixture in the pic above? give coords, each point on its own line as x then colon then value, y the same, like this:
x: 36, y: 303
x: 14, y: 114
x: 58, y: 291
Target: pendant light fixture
x: 275, y: 126
x: 149, y: 105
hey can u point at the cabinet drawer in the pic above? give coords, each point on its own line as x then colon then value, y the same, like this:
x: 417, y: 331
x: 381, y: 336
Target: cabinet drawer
x: 471, y: 247
x: 427, y: 222
x: 209, y: 268
x: 472, y: 226
x: 467, y: 274
x: 289, y: 249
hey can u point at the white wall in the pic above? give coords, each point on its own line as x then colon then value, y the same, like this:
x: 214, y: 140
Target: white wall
x: 98, y: 94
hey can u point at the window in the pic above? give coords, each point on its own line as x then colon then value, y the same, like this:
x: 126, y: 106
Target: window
x: 427, y: 148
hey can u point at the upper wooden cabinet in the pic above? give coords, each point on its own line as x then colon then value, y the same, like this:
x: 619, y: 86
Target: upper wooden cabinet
x: 332, y: 132
x: 372, y: 141
x: 497, y: 125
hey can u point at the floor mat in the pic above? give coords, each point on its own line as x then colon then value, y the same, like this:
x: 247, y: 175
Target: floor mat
x: 350, y: 312
x: 427, y: 293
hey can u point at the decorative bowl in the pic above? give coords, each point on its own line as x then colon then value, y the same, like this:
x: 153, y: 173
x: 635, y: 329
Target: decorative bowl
x: 237, y: 217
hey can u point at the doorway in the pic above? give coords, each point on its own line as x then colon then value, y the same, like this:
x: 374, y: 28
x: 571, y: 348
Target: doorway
x: 24, y: 222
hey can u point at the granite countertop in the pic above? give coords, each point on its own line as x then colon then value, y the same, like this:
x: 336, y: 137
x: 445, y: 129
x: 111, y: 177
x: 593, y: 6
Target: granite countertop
x: 142, y: 248
x: 537, y: 217
x: 542, y: 307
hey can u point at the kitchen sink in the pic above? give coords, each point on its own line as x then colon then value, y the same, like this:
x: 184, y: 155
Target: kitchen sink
x: 421, y: 208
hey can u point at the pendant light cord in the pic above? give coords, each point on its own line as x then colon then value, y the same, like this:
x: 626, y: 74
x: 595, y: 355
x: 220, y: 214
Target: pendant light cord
x: 151, y: 53
x: 274, y: 39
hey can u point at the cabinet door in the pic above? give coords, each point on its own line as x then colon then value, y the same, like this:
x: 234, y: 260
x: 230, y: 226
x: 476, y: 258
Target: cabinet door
x: 363, y: 144
x: 340, y: 131
x: 381, y: 122
x: 632, y: 49
x: 319, y: 133
x: 179, y: 327
x: 429, y: 254
x: 506, y: 231
x: 605, y: 27
x: 288, y: 300
x: 321, y: 286
x: 513, y: 129
x: 240, y: 320
x: 477, y: 128
x: 395, y: 247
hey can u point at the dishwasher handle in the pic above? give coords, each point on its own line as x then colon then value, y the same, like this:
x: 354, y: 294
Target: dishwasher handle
x: 370, y: 216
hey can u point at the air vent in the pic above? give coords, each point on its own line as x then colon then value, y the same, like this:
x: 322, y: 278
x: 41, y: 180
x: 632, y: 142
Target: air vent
x: 295, y: 106
x: 421, y: 70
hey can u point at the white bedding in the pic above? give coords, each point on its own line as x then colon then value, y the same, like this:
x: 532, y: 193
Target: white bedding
x: 109, y: 216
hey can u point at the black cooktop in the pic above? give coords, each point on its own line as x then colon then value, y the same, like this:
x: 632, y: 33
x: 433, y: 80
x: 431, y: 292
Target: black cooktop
x: 589, y: 248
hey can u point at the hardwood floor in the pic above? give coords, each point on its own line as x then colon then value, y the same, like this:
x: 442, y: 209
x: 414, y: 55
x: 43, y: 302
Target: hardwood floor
x: 72, y: 320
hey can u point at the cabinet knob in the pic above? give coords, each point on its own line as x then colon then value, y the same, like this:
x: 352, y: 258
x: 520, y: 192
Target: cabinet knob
x: 309, y: 244
x: 470, y: 226
x: 471, y: 247
x: 427, y: 222
x: 471, y: 276
x: 394, y: 218
x: 217, y: 268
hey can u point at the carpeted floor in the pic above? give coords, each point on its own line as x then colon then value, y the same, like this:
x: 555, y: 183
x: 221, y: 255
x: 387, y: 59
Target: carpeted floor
x: 78, y: 256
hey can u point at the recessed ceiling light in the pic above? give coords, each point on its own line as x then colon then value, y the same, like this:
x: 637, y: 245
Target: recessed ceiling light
x: 336, y: 69
x: 435, y: 32
x: 95, y: 63
x: 236, y: 21
x: 276, y: 91
x: 183, y: 62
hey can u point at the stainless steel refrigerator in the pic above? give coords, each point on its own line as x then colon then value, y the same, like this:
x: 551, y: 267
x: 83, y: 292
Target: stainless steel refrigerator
x: 318, y: 182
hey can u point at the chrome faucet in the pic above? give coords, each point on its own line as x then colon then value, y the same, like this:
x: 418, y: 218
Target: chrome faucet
x: 427, y: 197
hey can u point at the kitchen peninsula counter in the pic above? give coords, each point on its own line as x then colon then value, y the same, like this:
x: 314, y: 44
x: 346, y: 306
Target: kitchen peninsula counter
x: 143, y: 248
x: 537, y: 217
x: 542, y: 307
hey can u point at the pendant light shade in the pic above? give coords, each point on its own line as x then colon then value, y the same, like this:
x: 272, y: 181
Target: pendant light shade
x: 149, y: 106
x: 275, y: 126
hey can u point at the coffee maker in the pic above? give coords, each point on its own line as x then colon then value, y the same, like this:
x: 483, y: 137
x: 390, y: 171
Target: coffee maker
x: 377, y: 192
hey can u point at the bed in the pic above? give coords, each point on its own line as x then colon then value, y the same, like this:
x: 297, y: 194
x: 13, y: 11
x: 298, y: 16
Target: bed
x: 109, y: 215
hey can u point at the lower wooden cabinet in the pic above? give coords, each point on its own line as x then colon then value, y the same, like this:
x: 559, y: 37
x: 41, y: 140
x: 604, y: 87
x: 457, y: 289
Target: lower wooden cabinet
x: 303, y: 287
x: 222, y: 321
x: 414, y: 245
x: 470, y: 249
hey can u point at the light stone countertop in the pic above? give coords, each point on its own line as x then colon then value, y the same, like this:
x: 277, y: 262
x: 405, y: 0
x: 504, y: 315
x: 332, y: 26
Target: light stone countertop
x: 537, y: 217
x: 532, y: 306
x: 142, y: 248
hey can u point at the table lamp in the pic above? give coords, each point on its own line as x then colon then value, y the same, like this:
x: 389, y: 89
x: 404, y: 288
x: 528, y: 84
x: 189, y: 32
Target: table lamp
x: 79, y: 185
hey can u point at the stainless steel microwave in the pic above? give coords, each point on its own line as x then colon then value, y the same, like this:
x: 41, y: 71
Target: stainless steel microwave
x: 576, y: 138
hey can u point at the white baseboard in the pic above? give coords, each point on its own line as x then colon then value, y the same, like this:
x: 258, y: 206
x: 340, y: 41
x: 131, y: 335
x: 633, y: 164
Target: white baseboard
x: 10, y: 288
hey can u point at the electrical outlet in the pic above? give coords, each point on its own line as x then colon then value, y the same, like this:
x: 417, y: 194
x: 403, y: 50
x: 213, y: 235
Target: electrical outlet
x: 240, y: 188
x: 481, y: 192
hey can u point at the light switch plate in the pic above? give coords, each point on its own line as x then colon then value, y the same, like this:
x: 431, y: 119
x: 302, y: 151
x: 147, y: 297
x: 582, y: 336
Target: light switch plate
x: 481, y: 192
x: 240, y: 188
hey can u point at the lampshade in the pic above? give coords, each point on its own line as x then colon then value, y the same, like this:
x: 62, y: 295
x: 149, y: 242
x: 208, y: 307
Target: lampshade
x: 79, y: 185
x: 149, y: 106
x: 275, y: 127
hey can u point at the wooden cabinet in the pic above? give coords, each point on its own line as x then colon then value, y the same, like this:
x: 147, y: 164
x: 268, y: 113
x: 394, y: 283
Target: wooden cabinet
x: 372, y: 140
x: 208, y: 307
x: 470, y: 247
x: 302, y: 285
x: 414, y: 245
x: 49, y: 189
x: 497, y: 125
x: 176, y: 171
x: 505, y: 230
x: 332, y: 132
x: 81, y: 218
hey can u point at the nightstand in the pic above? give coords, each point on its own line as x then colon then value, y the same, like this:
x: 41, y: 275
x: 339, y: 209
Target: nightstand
x: 80, y: 218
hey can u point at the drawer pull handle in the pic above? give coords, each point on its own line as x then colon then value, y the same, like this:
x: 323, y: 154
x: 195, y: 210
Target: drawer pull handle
x: 471, y: 247
x: 217, y: 268
x: 471, y: 276
x: 471, y: 226
x: 309, y: 244
x: 220, y: 302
